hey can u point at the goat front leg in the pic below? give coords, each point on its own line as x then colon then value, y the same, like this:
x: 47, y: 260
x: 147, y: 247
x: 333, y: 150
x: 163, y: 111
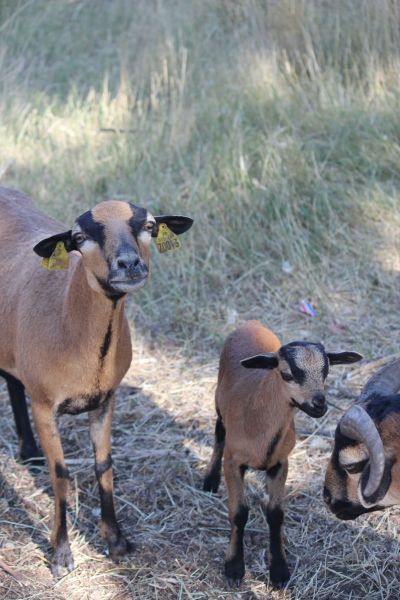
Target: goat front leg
x: 100, y: 432
x: 238, y: 514
x: 47, y: 430
x: 278, y: 568
x: 213, y: 474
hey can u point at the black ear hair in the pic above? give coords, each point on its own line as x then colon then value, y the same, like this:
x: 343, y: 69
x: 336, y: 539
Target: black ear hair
x: 46, y: 247
x: 175, y: 223
x: 261, y: 361
x: 343, y: 358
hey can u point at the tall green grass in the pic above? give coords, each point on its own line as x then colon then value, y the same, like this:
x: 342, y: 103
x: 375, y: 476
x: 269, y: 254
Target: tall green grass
x: 275, y: 124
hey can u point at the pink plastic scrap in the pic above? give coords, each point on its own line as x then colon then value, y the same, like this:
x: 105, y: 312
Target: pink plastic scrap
x: 307, y: 308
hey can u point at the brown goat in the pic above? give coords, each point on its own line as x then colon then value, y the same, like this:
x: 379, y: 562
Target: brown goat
x: 65, y: 337
x: 255, y: 426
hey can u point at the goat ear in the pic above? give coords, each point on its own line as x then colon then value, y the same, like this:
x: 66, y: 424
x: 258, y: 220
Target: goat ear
x: 46, y: 247
x: 175, y: 223
x: 343, y: 358
x: 261, y: 361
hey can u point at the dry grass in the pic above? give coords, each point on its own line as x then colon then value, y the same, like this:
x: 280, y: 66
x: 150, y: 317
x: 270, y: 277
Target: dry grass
x: 275, y: 125
x: 162, y: 438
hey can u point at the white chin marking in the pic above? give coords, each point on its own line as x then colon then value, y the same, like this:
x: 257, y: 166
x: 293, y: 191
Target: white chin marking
x: 144, y: 237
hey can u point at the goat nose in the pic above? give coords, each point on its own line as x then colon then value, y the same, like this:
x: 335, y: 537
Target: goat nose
x: 124, y: 262
x: 318, y: 400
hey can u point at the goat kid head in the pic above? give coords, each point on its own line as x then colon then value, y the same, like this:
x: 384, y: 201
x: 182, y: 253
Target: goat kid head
x: 113, y: 239
x: 303, y: 367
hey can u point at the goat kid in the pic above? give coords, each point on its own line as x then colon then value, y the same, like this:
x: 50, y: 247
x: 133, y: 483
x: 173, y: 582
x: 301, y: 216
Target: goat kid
x: 255, y: 426
x: 363, y: 474
x: 65, y: 337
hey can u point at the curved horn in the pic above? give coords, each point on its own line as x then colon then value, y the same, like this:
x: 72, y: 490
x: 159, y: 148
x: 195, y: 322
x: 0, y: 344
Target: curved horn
x: 356, y: 424
x: 386, y: 381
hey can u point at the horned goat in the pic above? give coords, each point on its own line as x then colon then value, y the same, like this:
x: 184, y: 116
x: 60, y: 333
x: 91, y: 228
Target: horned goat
x: 363, y: 472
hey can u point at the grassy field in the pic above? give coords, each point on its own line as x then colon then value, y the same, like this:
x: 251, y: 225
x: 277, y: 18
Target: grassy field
x: 276, y: 126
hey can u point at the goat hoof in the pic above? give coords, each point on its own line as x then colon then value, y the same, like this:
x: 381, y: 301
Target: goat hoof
x: 279, y: 575
x: 120, y: 548
x: 233, y: 583
x: 211, y: 484
x: 234, y: 572
x: 62, y: 558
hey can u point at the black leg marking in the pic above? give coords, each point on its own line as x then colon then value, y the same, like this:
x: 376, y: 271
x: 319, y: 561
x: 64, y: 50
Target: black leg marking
x: 234, y: 566
x: 61, y: 472
x: 213, y: 477
x: 278, y: 570
x: 102, y: 467
x: 27, y: 443
x: 62, y: 556
x: 118, y: 545
x: 273, y: 471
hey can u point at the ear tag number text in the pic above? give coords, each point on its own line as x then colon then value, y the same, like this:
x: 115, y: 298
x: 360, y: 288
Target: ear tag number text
x: 166, y: 239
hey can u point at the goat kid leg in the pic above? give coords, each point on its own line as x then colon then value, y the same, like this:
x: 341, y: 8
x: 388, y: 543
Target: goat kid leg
x: 213, y: 474
x: 100, y: 432
x: 27, y: 445
x: 278, y: 568
x: 49, y: 437
x: 238, y: 514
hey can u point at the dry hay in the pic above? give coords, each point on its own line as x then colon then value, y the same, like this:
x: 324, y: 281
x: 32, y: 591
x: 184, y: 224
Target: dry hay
x: 162, y: 438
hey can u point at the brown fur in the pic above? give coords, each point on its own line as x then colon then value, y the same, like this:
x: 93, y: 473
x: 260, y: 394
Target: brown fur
x: 255, y: 426
x: 53, y: 326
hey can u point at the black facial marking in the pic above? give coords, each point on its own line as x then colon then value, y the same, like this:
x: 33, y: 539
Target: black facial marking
x: 357, y: 467
x: 138, y: 219
x: 104, y: 466
x: 272, y: 446
x: 106, y: 343
x: 61, y: 472
x: 109, y: 291
x: 288, y: 352
x: 272, y: 472
x: 384, y: 485
x: 91, y: 228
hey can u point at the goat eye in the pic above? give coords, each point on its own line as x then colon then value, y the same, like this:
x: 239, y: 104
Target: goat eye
x: 287, y: 376
x: 149, y: 226
x: 79, y: 238
x: 355, y: 467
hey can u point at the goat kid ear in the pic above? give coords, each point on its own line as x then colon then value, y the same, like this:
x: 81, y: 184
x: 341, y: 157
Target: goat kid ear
x: 261, y: 361
x: 177, y: 224
x: 46, y: 247
x: 343, y: 358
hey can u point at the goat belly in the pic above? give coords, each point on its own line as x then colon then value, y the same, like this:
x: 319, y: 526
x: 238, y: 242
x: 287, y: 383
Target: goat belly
x: 84, y: 403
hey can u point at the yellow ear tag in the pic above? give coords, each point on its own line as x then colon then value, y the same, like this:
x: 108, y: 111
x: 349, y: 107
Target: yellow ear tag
x: 58, y: 261
x: 166, y: 239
